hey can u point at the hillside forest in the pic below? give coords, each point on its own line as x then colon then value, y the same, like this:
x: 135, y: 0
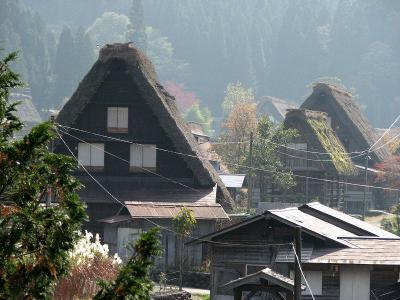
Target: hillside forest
x: 198, y: 47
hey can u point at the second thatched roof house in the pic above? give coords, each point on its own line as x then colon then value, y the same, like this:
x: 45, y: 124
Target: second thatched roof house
x: 347, y: 120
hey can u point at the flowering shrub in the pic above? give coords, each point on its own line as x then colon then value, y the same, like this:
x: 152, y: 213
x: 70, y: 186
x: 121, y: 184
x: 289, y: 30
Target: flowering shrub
x: 89, y: 263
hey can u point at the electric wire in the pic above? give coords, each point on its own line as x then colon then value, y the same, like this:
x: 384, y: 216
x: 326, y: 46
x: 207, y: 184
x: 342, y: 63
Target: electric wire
x: 386, y: 131
x: 247, y: 167
x: 301, y: 271
x: 154, y: 223
x: 127, y: 161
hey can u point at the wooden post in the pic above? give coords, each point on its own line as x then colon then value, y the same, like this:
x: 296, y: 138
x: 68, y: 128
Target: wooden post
x: 366, y: 183
x: 250, y: 180
x: 181, y: 262
x: 237, y: 293
x: 297, y: 264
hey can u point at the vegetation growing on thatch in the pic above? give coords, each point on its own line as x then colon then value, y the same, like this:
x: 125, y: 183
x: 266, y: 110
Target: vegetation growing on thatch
x: 331, y: 144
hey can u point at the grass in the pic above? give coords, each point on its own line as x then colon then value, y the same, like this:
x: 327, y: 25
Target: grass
x: 329, y: 141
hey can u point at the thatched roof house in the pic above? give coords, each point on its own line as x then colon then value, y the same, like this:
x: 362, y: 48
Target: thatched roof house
x: 314, y: 129
x: 142, y: 76
x: 274, y: 107
x: 348, y: 121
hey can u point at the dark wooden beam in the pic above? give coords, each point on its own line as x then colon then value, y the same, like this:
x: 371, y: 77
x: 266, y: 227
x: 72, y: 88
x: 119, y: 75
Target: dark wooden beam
x: 237, y: 293
x: 297, y: 264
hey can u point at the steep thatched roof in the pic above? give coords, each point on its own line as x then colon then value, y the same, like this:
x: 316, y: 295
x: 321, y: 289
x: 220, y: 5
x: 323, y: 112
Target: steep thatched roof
x: 141, y: 71
x: 349, y: 113
x: 314, y: 128
x: 274, y: 107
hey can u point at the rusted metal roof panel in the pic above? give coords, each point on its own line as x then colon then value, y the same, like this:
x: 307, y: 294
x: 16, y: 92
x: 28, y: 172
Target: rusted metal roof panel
x: 163, y: 210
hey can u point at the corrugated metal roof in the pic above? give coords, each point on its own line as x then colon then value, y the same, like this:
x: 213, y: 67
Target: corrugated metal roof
x: 115, y: 219
x: 273, y: 278
x: 311, y: 223
x: 162, y: 210
x: 364, y: 251
x: 233, y: 180
x: 131, y: 189
x: 324, y: 210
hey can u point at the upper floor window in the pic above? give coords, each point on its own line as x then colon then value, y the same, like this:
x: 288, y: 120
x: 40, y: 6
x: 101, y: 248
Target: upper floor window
x: 143, y: 157
x: 91, y: 155
x: 117, y: 119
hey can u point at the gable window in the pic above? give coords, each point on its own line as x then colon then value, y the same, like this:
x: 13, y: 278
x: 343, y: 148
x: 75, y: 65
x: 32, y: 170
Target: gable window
x: 143, y: 157
x: 91, y: 155
x: 117, y: 119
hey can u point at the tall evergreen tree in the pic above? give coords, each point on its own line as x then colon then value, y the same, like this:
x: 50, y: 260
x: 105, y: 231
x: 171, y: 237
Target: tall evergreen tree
x: 84, y: 54
x: 64, y: 67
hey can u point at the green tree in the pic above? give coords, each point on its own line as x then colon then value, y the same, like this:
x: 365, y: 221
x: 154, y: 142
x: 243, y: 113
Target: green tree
x: 200, y: 115
x: 34, y: 238
x: 84, y: 54
x: 266, y: 146
x: 133, y: 281
x: 109, y: 28
x: 64, y: 70
x: 184, y: 223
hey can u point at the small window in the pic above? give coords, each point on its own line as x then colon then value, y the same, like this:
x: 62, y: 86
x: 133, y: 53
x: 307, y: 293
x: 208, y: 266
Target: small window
x: 143, y: 157
x: 91, y: 155
x: 117, y: 119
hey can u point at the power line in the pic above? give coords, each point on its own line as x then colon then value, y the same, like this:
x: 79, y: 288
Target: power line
x: 386, y: 131
x: 156, y: 224
x: 242, y: 166
x: 87, y: 172
x: 302, y: 273
x: 127, y: 161
x: 308, y: 151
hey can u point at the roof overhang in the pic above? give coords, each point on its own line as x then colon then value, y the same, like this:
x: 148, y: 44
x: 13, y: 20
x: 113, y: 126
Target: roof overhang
x: 266, y: 278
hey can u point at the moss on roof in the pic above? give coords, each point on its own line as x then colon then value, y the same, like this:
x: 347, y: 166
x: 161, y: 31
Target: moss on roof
x: 332, y: 145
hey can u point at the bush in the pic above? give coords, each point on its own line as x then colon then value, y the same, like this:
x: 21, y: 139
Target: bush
x: 90, y: 262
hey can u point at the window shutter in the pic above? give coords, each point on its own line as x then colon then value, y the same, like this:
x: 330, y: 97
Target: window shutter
x: 122, y: 117
x: 149, y: 156
x: 84, y: 154
x: 97, y: 155
x: 136, y: 155
x: 112, y: 117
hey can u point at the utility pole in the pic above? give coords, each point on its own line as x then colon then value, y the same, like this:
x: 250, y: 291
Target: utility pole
x: 297, y: 264
x: 250, y: 179
x: 366, y: 183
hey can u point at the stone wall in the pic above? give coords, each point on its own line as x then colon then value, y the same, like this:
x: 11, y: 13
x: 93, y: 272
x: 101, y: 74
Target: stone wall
x: 178, y: 295
x: 200, y: 280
